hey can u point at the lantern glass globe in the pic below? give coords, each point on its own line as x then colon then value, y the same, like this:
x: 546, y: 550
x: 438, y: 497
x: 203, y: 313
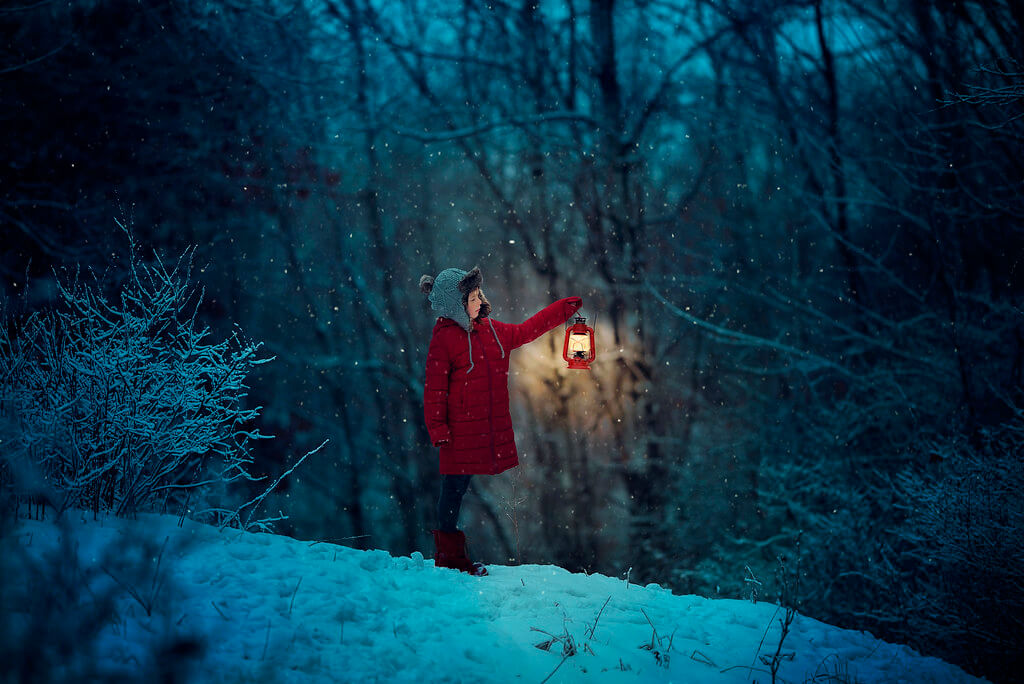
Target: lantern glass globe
x: 579, y: 345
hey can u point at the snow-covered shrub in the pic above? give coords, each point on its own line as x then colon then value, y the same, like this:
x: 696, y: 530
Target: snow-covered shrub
x: 964, y: 540
x: 124, y: 403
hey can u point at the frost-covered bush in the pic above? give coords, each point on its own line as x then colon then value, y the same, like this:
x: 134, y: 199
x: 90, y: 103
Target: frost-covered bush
x: 962, y: 548
x: 932, y: 556
x: 124, y: 403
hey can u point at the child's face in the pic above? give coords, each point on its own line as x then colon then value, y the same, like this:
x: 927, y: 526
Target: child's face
x: 473, y: 304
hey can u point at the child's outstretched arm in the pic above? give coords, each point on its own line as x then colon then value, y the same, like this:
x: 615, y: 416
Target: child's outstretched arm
x: 544, y: 320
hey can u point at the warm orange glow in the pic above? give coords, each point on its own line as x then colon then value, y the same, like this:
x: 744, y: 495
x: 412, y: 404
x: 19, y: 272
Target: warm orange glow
x: 579, y: 345
x: 543, y: 384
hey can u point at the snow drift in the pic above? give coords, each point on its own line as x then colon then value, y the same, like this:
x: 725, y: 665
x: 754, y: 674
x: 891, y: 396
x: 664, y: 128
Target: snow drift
x: 263, y: 607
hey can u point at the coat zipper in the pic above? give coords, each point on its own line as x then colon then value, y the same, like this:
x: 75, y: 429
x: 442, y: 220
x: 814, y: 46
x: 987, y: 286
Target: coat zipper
x: 490, y: 405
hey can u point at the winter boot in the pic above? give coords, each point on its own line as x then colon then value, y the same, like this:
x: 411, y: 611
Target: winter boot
x: 451, y: 553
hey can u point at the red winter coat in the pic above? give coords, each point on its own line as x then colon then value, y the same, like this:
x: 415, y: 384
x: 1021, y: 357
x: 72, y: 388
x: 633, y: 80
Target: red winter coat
x: 466, y: 410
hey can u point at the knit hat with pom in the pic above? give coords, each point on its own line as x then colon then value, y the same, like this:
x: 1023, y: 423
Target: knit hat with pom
x: 449, y: 291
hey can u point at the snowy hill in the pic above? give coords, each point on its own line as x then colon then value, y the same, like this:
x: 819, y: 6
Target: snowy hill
x: 271, y: 608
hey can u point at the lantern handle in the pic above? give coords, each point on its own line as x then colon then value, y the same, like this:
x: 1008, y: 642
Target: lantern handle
x: 570, y: 321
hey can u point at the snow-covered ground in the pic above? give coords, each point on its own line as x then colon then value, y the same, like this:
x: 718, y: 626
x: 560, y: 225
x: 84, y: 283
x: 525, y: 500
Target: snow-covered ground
x: 271, y: 608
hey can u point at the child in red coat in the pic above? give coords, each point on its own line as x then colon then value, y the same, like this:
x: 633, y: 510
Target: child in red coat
x: 465, y: 395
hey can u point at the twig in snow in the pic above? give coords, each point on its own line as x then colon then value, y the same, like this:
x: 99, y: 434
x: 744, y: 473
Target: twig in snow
x: 292, y: 603
x: 661, y: 657
x: 568, y: 644
x: 564, y: 658
x: 266, y: 642
x: 655, y: 636
x: 339, y: 539
x: 255, y: 503
x: 591, y: 635
x: 832, y: 669
x: 154, y: 587
x: 744, y: 667
x: 763, y: 637
x: 787, y: 601
x: 217, y: 608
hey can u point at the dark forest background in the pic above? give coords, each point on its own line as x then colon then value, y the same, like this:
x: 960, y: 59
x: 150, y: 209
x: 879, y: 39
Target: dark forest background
x: 798, y: 223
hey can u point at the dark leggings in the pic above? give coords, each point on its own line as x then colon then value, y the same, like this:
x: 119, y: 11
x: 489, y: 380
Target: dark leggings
x: 453, y: 488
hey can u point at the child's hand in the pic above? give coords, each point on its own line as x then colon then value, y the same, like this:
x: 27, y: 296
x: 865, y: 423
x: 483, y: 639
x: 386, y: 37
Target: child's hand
x: 576, y: 303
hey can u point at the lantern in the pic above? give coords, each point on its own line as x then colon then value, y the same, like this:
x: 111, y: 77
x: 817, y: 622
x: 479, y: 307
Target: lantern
x: 579, y: 348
